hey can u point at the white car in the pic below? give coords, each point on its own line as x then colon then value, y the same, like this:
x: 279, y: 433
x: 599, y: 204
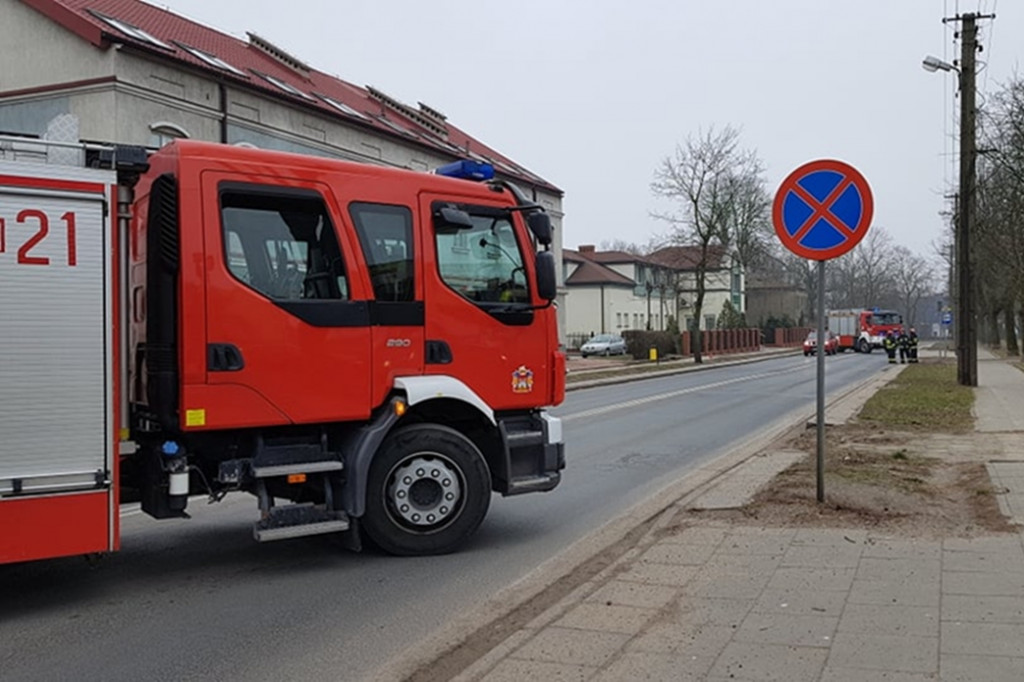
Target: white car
x: 604, y: 344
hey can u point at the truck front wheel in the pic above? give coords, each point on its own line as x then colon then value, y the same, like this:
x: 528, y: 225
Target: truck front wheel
x: 428, y: 490
x: 864, y: 346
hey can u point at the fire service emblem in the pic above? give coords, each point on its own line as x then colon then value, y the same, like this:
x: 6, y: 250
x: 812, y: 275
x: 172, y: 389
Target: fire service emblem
x: 522, y: 380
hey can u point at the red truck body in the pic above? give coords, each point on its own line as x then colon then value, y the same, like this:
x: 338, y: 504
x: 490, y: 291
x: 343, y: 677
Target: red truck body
x: 376, y: 346
x: 863, y: 329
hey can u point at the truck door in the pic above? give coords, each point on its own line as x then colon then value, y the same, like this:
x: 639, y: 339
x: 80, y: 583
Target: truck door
x: 287, y: 325
x: 479, y: 322
x: 388, y: 245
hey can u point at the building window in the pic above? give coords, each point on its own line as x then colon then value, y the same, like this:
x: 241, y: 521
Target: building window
x: 129, y: 30
x: 281, y: 85
x: 709, y: 321
x: 397, y: 128
x: 737, y: 290
x: 165, y: 132
x: 211, y: 59
x: 340, y: 106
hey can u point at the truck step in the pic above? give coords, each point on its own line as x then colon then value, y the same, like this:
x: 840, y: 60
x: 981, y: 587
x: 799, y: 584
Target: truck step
x: 313, y: 467
x: 298, y: 520
x: 277, y: 451
x: 524, y: 439
x: 533, y: 484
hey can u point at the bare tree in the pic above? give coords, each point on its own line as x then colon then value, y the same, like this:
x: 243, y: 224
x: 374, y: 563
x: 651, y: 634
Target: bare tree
x: 750, y: 232
x: 706, y: 177
x: 913, y: 276
x: 632, y: 247
x: 1000, y: 217
x: 864, y: 276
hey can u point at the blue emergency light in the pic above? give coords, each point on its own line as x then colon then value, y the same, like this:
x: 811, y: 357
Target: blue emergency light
x: 467, y: 169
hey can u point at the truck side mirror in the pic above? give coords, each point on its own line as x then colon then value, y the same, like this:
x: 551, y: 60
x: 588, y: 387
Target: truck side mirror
x: 448, y: 220
x: 540, y: 225
x: 547, y: 287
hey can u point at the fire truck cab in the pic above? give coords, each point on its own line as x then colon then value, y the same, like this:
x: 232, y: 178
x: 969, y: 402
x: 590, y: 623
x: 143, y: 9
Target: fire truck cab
x: 365, y: 350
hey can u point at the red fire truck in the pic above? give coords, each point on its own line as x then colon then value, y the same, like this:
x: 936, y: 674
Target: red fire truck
x: 367, y: 351
x: 863, y: 329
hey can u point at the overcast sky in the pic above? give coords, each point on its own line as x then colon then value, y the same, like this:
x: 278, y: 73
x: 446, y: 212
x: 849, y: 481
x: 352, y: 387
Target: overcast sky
x: 591, y: 94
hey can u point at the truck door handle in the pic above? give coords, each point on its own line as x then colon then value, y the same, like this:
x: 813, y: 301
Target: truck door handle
x: 223, y: 357
x: 438, y: 353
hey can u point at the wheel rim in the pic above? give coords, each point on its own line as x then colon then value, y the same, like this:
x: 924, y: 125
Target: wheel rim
x: 424, y: 492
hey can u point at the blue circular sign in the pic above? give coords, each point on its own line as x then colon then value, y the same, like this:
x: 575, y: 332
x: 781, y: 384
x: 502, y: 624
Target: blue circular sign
x: 822, y: 209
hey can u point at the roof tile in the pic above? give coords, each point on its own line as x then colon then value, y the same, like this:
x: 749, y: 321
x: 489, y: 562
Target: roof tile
x: 170, y: 28
x: 590, y: 272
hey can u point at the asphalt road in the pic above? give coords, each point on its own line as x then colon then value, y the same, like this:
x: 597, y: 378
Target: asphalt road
x: 200, y: 600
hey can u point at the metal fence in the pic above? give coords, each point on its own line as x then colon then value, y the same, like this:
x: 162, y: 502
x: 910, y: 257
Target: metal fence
x: 574, y: 341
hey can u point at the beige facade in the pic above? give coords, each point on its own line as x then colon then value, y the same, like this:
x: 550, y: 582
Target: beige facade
x: 776, y: 300
x: 121, y: 94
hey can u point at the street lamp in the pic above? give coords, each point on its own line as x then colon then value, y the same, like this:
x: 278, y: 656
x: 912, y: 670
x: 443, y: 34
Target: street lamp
x: 966, y: 328
x: 934, y: 64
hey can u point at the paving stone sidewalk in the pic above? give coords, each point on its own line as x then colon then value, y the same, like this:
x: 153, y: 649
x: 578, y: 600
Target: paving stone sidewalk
x: 717, y: 602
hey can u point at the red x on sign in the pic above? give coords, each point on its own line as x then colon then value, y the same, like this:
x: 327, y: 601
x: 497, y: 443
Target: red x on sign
x: 822, y: 209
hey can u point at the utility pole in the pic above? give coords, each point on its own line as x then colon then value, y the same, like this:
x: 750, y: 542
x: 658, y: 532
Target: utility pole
x: 966, y: 324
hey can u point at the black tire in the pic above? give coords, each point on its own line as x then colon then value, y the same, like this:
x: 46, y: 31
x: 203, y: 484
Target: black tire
x: 863, y: 346
x: 583, y: 355
x: 439, y: 462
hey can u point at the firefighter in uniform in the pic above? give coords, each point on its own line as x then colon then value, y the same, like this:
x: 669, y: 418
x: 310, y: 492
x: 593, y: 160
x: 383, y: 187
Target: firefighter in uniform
x: 903, y: 341
x: 889, y: 344
x: 912, y: 343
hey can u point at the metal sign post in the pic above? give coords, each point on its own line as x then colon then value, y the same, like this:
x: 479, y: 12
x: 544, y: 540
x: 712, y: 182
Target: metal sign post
x: 822, y: 210
x: 947, y: 320
x: 820, y: 420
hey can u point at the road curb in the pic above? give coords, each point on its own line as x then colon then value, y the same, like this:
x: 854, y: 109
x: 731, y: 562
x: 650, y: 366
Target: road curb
x: 627, y: 378
x: 597, y: 544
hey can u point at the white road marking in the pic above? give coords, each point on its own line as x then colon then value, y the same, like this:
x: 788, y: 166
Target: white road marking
x: 605, y: 409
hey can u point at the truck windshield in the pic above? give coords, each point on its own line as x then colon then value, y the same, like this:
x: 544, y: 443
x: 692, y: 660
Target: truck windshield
x: 885, y: 317
x: 484, y: 263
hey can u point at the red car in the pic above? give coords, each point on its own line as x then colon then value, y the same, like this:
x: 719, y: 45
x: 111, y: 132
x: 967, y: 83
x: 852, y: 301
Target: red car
x: 831, y: 343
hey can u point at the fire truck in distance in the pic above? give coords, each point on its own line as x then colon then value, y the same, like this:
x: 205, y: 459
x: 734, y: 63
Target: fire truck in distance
x: 863, y: 329
x: 365, y: 350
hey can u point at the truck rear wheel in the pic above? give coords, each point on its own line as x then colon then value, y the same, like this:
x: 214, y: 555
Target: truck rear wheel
x: 428, y: 490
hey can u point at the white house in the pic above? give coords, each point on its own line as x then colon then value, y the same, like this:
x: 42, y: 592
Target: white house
x: 615, y: 291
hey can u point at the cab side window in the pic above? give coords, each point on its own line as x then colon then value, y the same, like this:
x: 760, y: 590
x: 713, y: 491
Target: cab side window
x: 385, y: 235
x: 483, y: 263
x: 281, y: 242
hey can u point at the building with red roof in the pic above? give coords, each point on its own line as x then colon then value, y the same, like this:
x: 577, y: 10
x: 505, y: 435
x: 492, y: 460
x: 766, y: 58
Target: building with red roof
x: 128, y: 72
x: 616, y: 291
